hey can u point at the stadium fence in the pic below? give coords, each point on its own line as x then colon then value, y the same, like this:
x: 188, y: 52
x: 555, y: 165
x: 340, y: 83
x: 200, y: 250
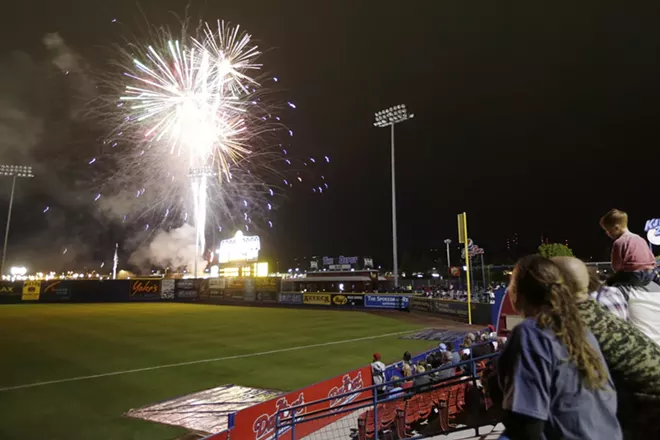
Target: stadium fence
x: 420, y: 411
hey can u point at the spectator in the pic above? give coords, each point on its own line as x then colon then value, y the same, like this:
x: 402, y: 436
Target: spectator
x: 483, y: 348
x: 378, y: 373
x: 634, y: 264
x: 633, y: 359
x: 611, y: 298
x: 423, y: 382
x: 553, y: 378
x: 632, y: 259
x: 407, y: 372
x: 407, y: 360
x: 456, y: 357
x: 446, y: 361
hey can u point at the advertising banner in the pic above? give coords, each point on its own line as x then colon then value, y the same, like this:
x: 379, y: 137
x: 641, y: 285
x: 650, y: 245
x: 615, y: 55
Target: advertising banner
x: 266, y: 297
x: 233, y: 295
x: 316, y: 299
x: 258, y: 422
x: 216, y: 286
x: 203, y: 288
x: 341, y: 300
x: 216, y: 283
x: 481, y: 312
x: 186, y: 294
x: 31, y: 290
x: 187, y: 289
x: 394, y: 302
x: 250, y: 296
x: 167, y: 288
x: 290, y: 298
x: 10, y: 291
x: 267, y: 284
x: 56, y: 290
x: 420, y: 305
x: 236, y: 283
x: 145, y: 289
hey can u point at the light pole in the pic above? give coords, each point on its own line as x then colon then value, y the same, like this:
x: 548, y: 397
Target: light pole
x: 448, y: 242
x: 198, y: 179
x: 384, y: 118
x: 12, y: 171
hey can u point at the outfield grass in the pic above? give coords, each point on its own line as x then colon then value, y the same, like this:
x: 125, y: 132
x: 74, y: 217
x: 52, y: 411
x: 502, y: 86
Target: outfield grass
x: 41, y: 342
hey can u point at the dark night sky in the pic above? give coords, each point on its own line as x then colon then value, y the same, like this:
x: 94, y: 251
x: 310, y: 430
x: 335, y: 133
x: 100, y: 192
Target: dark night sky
x: 533, y: 118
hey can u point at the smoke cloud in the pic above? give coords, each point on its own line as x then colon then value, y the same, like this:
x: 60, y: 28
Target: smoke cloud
x: 174, y: 249
x: 42, y: 123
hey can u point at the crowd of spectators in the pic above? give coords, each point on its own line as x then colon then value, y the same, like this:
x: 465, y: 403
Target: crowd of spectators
x: 453, y: 293
x: 445, y: 362
x: 584, y: 363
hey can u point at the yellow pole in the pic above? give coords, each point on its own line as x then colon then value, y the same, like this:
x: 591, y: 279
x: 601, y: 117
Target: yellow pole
x: 467, y: 265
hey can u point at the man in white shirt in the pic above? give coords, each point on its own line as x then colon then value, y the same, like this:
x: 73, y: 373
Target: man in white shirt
x: 638, y: 304
x: 644, y: 308
x: 378, y: 373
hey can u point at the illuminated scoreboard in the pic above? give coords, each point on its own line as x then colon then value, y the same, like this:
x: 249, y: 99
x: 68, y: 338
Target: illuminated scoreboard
x: 240, y: 248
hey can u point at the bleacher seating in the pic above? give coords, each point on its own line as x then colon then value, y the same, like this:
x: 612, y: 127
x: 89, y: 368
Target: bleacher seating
x: 398, y: 418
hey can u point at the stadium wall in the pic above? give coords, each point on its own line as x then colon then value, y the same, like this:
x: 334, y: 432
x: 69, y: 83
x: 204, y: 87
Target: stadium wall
x: 236, y: 291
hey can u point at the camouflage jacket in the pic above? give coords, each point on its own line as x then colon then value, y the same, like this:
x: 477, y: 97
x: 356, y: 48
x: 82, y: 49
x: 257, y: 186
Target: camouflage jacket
x: 632, y: 358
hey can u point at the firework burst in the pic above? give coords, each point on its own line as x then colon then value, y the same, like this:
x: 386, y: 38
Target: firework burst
x: 195, y: 137
x: 193, y: 99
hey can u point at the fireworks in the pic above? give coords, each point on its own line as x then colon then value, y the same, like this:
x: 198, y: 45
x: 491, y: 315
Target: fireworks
x: 195, y: 137
x: 193, y: 98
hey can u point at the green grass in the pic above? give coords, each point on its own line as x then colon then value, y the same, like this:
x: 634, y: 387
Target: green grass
x: 51, y: 342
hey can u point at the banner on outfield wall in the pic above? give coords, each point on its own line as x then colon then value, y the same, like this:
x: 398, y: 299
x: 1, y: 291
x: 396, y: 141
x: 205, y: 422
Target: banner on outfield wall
x: 317, y: 299
x: 341, y: 300
x: 186, y: 289
x: 481, y: 312
x: 261, y: 297
x: 395, y: 302
x: 203, y: 288
x: 290, y: 298
x: 145, y: 289
x: 233, y: 295
x: 10, y: 291
x: 167, y: 289
x: 31, y: 290
x: 258, y: 422
x: 216, y: 286
x: 56, y: 290
x: 267, y: 284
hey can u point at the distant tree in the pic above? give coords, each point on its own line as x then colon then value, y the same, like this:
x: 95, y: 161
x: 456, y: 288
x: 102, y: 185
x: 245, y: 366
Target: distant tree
x: 555, y: 250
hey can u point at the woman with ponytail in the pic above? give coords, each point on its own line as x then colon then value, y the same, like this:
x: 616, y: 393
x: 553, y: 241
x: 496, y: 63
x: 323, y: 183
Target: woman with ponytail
x: 552, y: 374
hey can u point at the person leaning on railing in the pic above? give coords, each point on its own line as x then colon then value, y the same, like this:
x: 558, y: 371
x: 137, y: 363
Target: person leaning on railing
x: 553, y: 377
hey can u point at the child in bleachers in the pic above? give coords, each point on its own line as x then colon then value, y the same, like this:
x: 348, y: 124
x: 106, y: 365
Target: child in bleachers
x: 632, y: 259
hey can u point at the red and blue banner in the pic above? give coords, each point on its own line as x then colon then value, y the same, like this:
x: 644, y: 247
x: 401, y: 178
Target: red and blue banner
x: 258, y: 422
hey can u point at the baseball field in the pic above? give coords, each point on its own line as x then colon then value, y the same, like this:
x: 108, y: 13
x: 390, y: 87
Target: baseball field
x: 70, y: 372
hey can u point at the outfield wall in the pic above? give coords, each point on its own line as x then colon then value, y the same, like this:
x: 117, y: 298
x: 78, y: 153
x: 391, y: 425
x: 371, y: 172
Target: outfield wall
x: 237, y: 291
x: 231, y: 291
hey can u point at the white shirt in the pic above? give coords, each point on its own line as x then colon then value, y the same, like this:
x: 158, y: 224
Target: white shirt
x: 378, y: 372
x: 644, y: 309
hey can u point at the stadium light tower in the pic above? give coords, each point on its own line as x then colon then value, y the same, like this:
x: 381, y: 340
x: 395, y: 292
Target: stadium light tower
x: 198, y: 180
x: 12, y: 171
x: 384, y: 118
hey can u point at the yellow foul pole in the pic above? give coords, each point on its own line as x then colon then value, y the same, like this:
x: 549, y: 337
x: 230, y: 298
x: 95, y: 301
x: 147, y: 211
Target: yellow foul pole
x: 463, y: 238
